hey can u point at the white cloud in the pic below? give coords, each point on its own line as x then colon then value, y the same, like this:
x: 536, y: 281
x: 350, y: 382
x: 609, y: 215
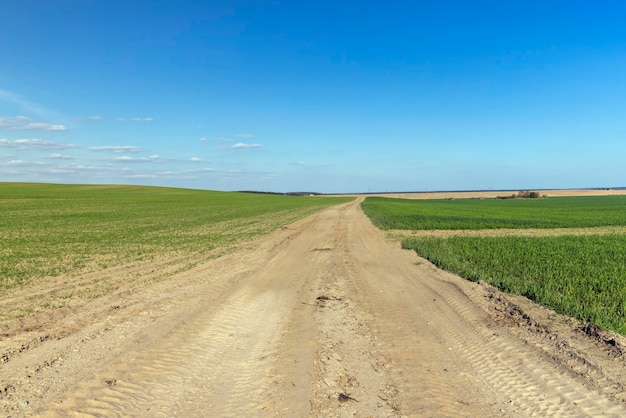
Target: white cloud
x: 195, y: 159
x: 22, y: 123
x: 42, y: 126
x: 223, y: 139
x: 16, y: 162
x: 23, y: 163
x: 61, y: 157
x: 118, y: 149
x: 33, y: 144
x: 203, y: 139
x: 94, y: 117
x: 127, y: 159
x: 61, y: 171
x: 241, y: 145
x: 15, y: 120
x: 139, y: 176
x: 159, y: 159
x: 82, y: 167
x: 152, y: 158
x: 136, y: 119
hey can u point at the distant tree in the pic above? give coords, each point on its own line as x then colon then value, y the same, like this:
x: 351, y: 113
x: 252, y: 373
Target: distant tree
x: 525, y: 194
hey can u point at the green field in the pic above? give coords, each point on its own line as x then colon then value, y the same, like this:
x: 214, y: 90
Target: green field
x: 555, y: 212
x: 580, y: 276
x: 52, y: 230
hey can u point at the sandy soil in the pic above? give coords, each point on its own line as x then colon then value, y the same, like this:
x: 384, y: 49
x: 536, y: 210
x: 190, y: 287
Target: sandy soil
x: 324, y: 318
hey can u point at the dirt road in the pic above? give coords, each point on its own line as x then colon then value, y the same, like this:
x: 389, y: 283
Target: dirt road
x: 323, y: 318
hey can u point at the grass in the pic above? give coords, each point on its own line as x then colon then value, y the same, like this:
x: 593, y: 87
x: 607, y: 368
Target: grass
x: 583, y: 276
x: 556, y: 212
x: 52, y: 230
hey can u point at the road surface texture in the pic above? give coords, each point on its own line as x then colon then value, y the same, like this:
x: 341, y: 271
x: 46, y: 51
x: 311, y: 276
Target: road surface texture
x: 326, y: 317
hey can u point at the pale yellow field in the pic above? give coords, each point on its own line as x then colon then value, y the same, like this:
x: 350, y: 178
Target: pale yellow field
x: 493, y: 194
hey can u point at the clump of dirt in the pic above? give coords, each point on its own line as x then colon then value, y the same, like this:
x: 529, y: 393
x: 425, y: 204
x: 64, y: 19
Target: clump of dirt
x: 597, y: 333
x: 591, y: 330
x: 343, y: 397
x: 321, y: 300
x: 110, y: 382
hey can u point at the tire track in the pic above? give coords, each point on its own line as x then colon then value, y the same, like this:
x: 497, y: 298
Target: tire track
x: 347, y: 382
x: 534, y: 385
x: 196, y: 358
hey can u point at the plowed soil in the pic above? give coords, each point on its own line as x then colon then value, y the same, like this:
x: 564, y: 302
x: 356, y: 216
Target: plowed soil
x: 324, y: 318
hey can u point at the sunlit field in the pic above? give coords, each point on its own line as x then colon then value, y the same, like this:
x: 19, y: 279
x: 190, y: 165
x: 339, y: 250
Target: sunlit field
x: 51, y: 230
x: 554, y: 212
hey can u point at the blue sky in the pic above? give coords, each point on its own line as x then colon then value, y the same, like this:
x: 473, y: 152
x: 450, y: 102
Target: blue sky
x: 317, y: 96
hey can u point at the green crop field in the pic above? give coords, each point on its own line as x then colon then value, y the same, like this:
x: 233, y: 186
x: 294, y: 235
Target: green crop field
x: 555, y: 212
x: 580, y: 276
x: 51, y: 230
